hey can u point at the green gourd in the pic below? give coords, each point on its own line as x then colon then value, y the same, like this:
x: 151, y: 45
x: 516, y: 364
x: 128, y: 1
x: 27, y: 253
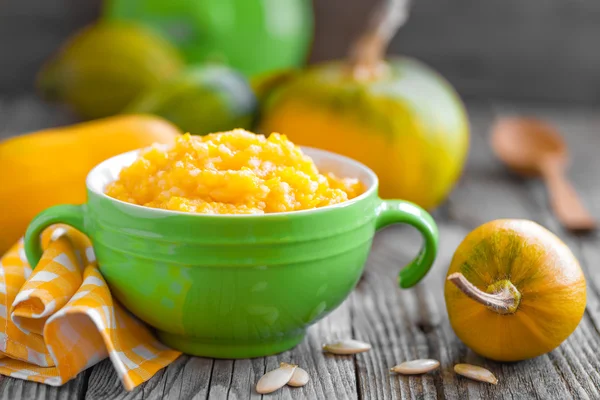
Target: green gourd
x: 252, y: 36
x: 201, y: 100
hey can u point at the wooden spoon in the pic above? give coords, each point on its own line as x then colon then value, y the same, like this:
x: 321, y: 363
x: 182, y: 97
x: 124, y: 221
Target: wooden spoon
x: 532, y: 148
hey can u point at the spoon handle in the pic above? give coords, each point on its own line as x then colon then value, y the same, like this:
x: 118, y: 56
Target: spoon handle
x: 564, y: 200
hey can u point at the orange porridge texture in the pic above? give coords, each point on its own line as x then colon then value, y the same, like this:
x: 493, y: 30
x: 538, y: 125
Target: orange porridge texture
x: 234, y: 172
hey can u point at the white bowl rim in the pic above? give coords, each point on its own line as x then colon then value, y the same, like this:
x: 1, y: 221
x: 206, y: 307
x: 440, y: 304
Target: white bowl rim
x: 96, y: 181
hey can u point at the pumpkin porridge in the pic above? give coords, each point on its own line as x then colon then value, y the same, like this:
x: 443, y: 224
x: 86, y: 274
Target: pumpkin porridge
x: 234, y: 172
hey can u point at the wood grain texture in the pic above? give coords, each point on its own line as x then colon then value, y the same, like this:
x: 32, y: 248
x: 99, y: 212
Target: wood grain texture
x: 492, y: 193
x: 186, y: 378
x: 400, y: 324
x: 194, y: 377
x: 11, y: 389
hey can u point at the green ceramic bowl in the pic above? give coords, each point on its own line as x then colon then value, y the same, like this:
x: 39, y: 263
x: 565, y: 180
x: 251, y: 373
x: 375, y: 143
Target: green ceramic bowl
x: 235, y: 286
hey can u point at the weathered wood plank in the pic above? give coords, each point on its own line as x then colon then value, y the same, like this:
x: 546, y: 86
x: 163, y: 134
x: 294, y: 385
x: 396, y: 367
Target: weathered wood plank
x: 389, y: 317
x: 331, y: 377
x: 188, y: 377
x: 490, y: 192
x: 242, y: 378
x: 11, y: 389
x: 396, y: 323
x: 399, y: 324
x: 406, y: 324
x: 194, y: 377
x: 580, y: 129
x: 573, y: 361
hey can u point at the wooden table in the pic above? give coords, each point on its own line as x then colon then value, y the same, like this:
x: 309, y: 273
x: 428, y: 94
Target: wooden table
x: 400, y: 324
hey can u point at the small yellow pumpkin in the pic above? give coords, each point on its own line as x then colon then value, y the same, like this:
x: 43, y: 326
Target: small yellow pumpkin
x: 49, y: 167
x: 514, y: 290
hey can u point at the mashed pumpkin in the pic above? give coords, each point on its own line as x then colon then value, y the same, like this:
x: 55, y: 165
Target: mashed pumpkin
x: 234, y: 172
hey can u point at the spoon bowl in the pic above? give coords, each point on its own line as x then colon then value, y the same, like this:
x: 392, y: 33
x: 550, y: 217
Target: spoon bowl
x: 524, y: 144
x: 531, y: 147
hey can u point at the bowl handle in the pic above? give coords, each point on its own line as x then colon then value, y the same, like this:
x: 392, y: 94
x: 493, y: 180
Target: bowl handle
x: 400, y: 211
x: 66, y: 214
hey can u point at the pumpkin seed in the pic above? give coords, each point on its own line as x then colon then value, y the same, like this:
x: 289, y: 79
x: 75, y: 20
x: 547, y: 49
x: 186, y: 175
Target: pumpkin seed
x: 476, y: 373
x: 349, y: 346
x: 416, y: 367
x: 276, y: 379
x: 299, y: 378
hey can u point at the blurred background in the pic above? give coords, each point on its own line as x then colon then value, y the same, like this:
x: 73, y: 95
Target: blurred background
x: 533, y: 50
x: 316, y: 71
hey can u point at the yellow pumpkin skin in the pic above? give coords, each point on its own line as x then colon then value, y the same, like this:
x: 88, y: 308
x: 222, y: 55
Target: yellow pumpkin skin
x: 543, y: 270
x: 409, y: 126
x: 49, y: 167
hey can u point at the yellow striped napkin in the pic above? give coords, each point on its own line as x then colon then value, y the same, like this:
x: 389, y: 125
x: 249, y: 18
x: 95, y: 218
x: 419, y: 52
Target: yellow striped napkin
x: 60, y: 318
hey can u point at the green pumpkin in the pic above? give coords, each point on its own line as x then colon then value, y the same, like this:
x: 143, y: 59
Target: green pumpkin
x: 252, y: 36
x: 407, y: 124
x: 202, y: 100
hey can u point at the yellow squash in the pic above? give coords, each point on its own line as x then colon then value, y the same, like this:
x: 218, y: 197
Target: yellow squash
x: 514, y: 290
x: 49, y: 167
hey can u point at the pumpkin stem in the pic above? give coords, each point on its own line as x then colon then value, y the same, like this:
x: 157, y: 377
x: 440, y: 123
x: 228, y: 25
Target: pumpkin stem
x: 367, y: 54
x: 501, y: 297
